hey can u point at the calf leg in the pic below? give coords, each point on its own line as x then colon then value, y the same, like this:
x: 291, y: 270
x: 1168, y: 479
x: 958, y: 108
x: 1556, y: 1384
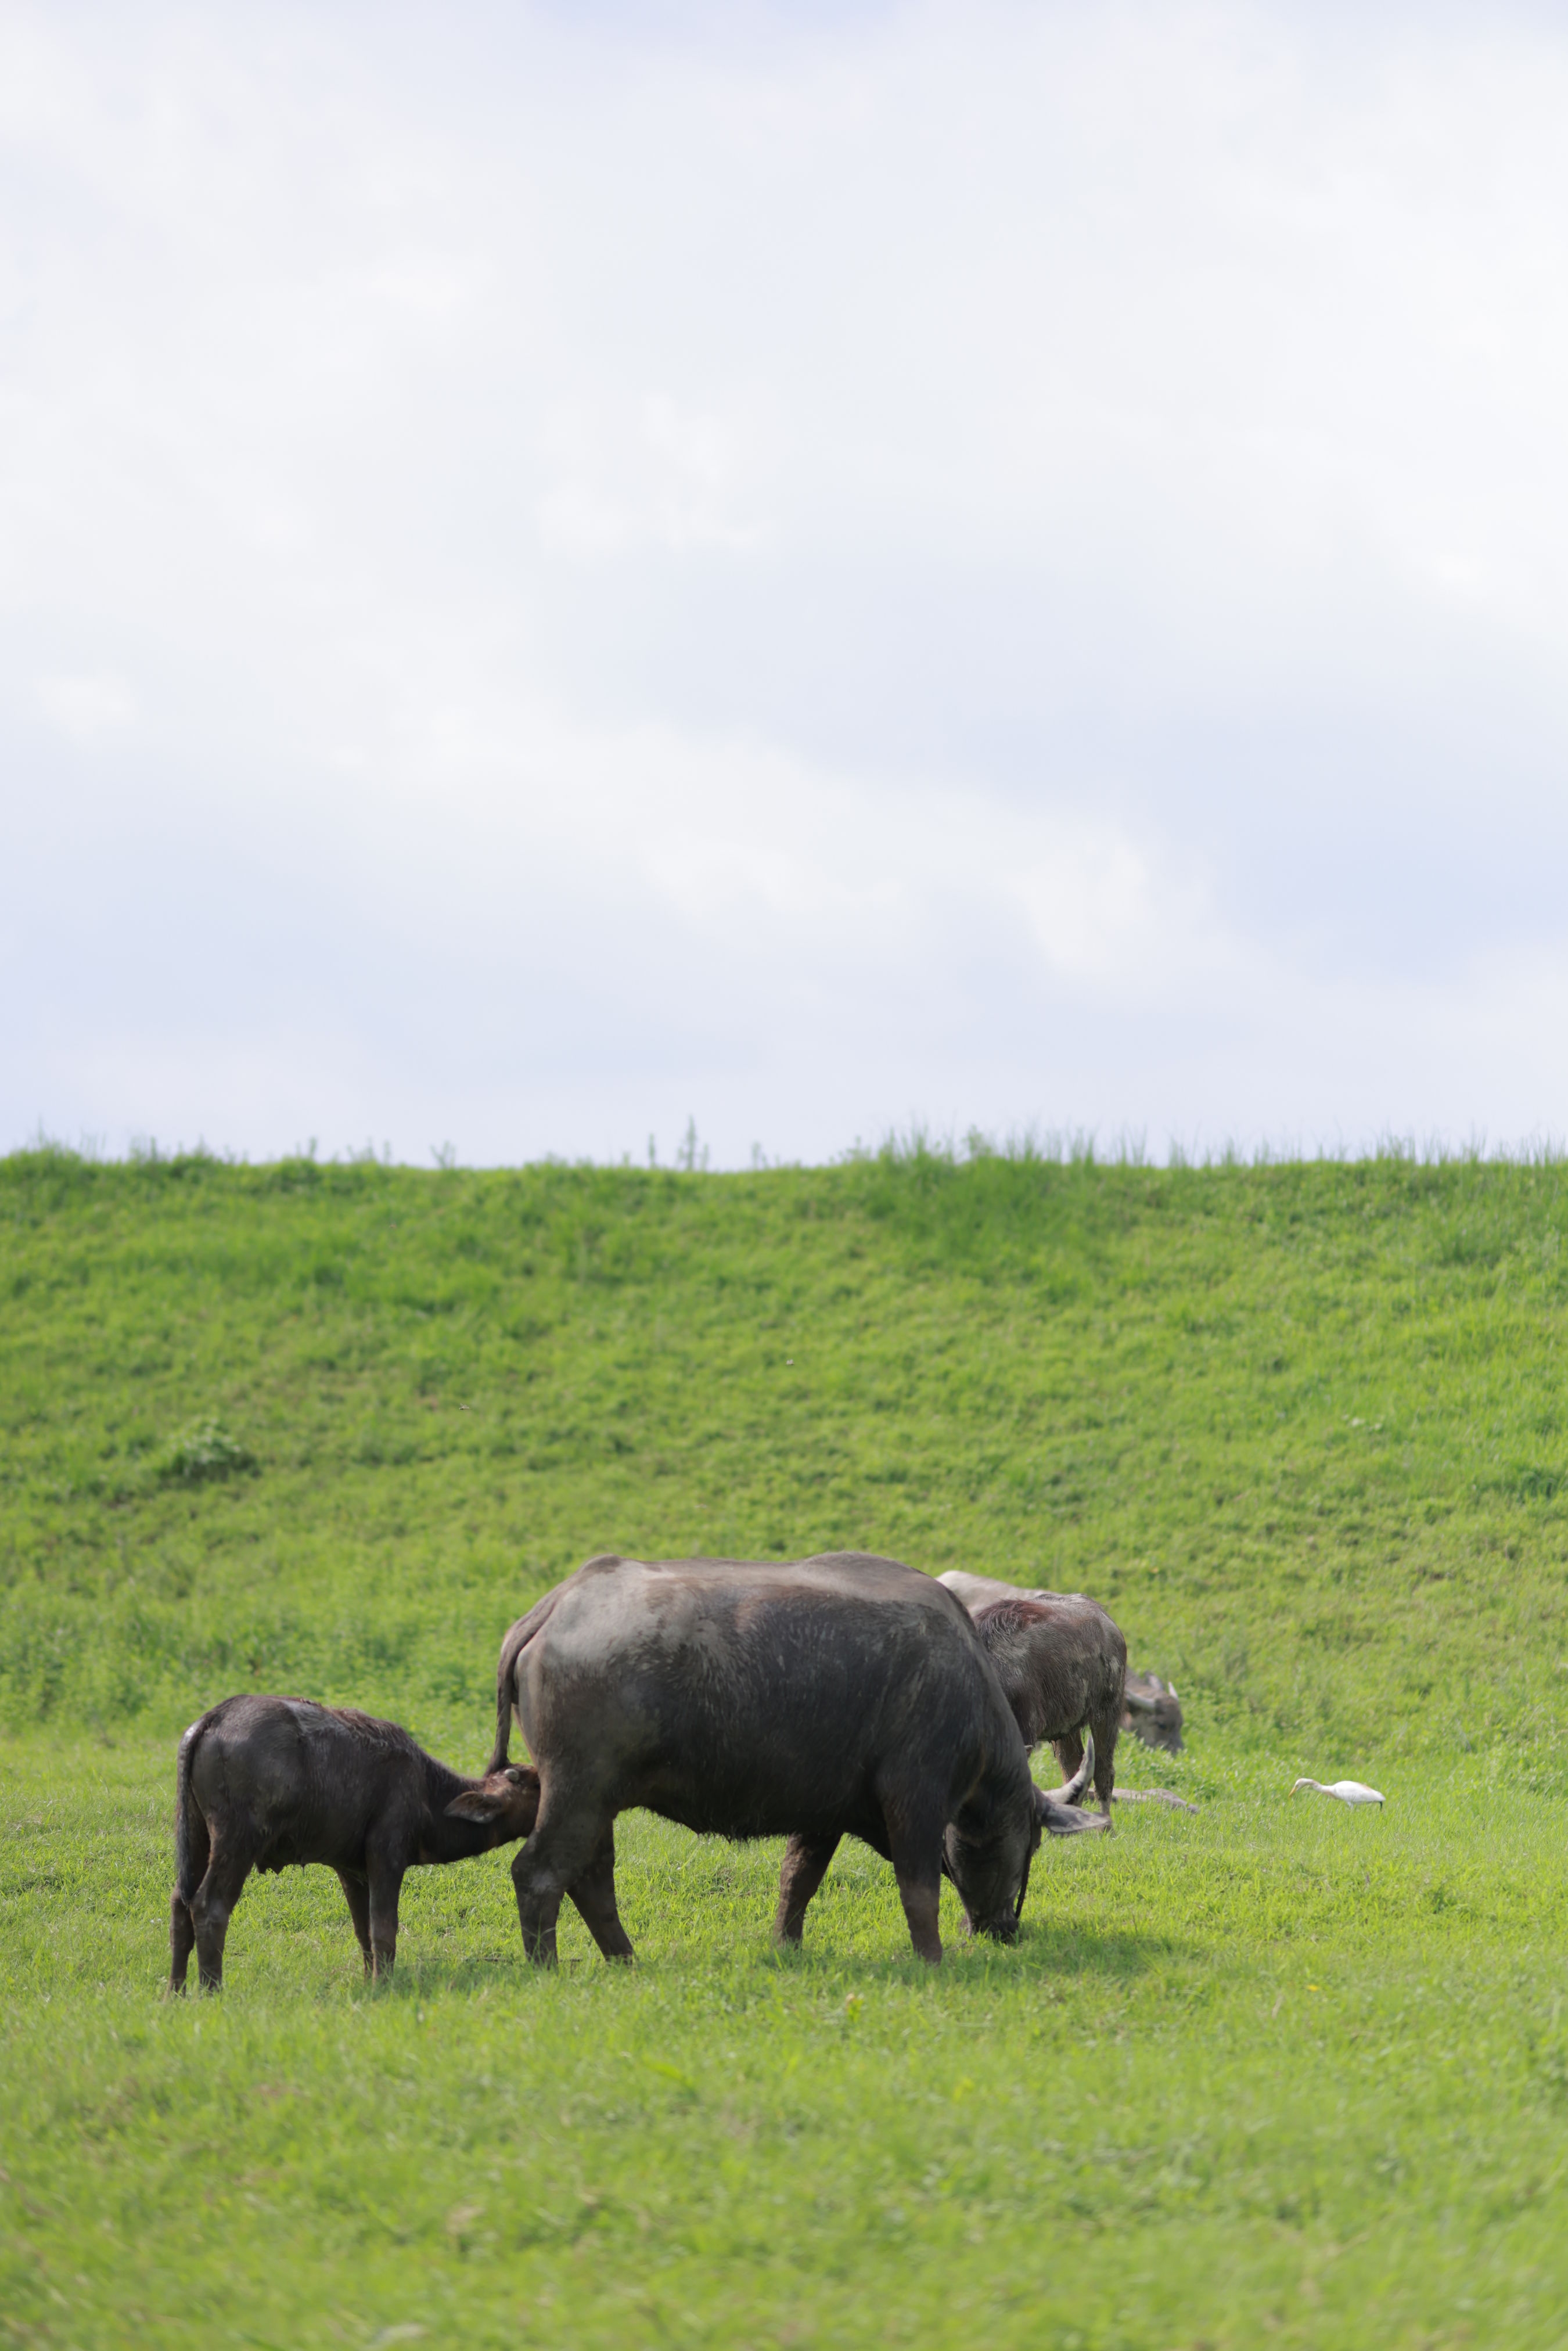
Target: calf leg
x: 564, y: 1845
x: 357, y: 1894
x: 194, y: 1852
x: 181, y: 1939
x: 212, y: 1904
x: 806, y: 1861
x: 385, y: 1887
x: 594, y: 1896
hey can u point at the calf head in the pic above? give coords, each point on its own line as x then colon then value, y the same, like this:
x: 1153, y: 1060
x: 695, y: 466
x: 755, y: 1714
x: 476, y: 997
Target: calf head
x: 989, y: 1864
x: 505, y: 1802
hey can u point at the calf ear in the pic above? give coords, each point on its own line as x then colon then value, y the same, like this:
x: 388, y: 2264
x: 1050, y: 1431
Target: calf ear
x: 476, y: 1805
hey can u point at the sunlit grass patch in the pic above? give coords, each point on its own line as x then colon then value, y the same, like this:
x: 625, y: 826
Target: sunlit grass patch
x: 1273, y: 2071
x: 1271, y: 2064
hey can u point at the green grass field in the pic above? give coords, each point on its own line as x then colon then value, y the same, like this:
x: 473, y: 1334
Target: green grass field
x: 1276, y: 2072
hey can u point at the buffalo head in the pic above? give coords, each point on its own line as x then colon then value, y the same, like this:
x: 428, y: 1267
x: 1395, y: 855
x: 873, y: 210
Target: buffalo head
x: 990, y: 1866
x: 507, y: 1802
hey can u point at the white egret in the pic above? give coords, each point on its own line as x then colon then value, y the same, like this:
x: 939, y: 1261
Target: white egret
x: 1349, y: 1791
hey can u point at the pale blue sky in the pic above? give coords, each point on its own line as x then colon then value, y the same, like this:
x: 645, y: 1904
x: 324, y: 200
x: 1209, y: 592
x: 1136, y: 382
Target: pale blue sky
x: 564, y: 570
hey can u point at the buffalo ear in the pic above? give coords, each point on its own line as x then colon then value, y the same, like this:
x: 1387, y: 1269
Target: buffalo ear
x: 476, y: 1805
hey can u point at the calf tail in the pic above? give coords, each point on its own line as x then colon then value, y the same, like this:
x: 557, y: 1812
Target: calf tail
x: 515, y: 1641
x: 191, y: 1841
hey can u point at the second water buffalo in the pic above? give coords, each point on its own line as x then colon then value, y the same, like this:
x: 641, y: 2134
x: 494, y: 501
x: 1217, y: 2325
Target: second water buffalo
x: 1062, y: 1664
x: 840, y: 1696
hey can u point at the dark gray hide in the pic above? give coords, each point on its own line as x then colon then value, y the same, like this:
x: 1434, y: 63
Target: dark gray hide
x: 1152, y: 1711
x: 841, y: 1696
x: 1061, y: 1663
x: 264, y: 1781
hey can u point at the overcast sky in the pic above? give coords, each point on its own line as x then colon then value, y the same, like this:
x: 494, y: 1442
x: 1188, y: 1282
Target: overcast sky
x: 563, y: 570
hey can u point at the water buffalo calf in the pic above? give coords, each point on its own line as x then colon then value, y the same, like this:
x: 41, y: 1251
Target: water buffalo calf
x: 840, y: 1696
x: 264, y: 1781
x: 1061, y: 1663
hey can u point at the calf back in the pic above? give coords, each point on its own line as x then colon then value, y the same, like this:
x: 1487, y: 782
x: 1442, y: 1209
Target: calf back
x: 305, y: 1782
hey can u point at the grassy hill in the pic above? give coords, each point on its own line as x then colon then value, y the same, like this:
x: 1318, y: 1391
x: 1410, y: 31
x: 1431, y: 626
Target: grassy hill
x: 1273, y: 2071
x: 1302, y: 1427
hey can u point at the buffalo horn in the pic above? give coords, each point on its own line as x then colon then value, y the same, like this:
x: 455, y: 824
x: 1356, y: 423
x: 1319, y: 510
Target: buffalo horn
x: 1065, y: 1820
x: 1074, y: 1788
x: 1057, y: 1807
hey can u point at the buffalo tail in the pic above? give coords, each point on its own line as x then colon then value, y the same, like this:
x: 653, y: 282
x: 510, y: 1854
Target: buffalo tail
x: 512, y: 1648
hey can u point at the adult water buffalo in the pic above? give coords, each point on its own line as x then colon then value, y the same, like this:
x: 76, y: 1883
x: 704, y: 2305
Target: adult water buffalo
x: 1061, y: 1663
x: 1152, y: 1711
x: 840, y: 1695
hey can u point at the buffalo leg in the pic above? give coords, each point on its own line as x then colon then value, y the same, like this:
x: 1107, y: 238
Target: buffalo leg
x: 806, y: 1861
x: 212, y: 1905
x: 1106, y: 1729
x: 357, y: 1894
x: 594, y: 1896
x: 181, y: 1939
x: 916, y: 1848
x: 385, y: 1887
x: 562, y: 1846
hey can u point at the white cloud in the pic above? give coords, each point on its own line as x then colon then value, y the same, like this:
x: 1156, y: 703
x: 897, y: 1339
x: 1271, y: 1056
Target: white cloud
x: 667, y: 478
x: 993, y: 563
x: 86, y: 709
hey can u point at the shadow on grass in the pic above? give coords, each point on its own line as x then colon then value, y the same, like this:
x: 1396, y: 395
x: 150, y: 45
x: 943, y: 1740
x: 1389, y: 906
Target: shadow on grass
x: 1044, y: 1955
x: 1057, y: 1949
